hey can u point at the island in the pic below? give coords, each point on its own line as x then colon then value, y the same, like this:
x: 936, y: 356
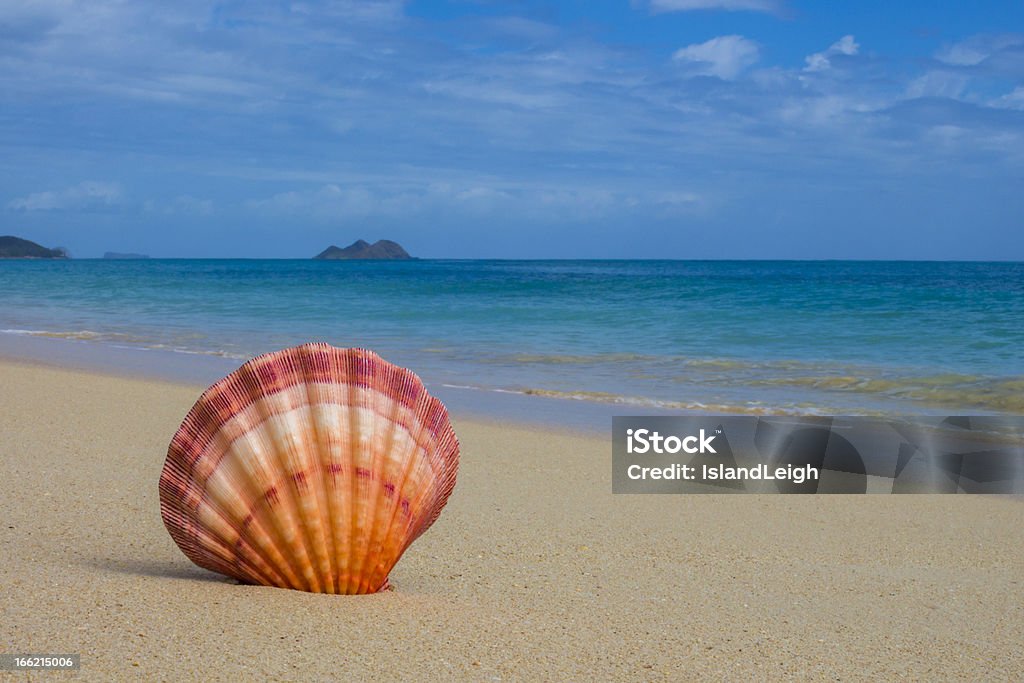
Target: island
x: 119, y: 255
x: 16, y: 247
x: 361, y: 249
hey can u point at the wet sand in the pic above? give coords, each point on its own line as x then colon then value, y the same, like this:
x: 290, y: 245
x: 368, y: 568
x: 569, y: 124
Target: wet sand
x: 535, y: 571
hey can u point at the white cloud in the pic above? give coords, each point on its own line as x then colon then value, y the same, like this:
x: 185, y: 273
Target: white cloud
x: 188, y: 204
x: 328, y: 202
x: 820, y: 61
x: 333, y: 202
x: 370, y: 11
x: 182, y: 204
x: 1011, y: 100
x: 658, y: 6
x: 962, y: 55
x: 90, y: 194
x: 938, y: 84
x: 824, y: 110
x: 976, y: 49
x: 495, y: 91
x: 724, y: 56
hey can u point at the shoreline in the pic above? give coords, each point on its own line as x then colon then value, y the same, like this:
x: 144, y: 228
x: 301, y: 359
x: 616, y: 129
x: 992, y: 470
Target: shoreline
x: 535, y: 570
x: 195, y: 369
x: 580, y: 411
x: 198, y: 386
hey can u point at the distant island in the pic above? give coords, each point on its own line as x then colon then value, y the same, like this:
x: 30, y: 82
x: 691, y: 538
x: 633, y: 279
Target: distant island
x: 361, y: 249
x: 16, y: 247
x: 119, y: 255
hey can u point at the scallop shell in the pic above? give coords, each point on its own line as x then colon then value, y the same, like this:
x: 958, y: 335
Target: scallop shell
x: 312, y: 468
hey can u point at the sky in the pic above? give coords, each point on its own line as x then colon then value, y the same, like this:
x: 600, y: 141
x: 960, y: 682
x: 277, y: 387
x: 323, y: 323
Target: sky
x: 721, y: 129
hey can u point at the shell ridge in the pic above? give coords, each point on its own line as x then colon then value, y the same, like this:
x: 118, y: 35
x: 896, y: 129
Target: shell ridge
x: 249, y: 540
x: 355, y: 417
x: 384, y: 430
x: 197, y: 546
x: 180, y: 477
x: 256, y: 535
x: 209, y: 437
x: 341, y: 474
x: 444, y: 460
x: 290, y: 450
x: 375, y: 483
x: 308, y: 356
x: 402, y: 419
x: 265, y: 543
x: 371, y: 483
x: 227, y: 444
x: 261, y: 544
x: 224, y: 558
x: 176, y: 521
x: 283, y: 524
x: 230, y: 385
x: 332, y: 471
x: 259, y: 533
x: 413, y: 457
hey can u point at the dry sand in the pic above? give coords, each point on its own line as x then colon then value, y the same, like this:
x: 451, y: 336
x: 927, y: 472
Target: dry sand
x: 535, y: 571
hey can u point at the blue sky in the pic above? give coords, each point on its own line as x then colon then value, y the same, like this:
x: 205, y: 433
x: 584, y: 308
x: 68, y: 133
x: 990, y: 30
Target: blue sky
x: 476, y: 129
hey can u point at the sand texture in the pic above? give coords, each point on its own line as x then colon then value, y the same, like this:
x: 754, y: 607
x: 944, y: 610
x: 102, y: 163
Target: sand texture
x: 535, y: 571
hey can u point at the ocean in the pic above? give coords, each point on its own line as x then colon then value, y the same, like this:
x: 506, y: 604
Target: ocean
x: 829, y: 337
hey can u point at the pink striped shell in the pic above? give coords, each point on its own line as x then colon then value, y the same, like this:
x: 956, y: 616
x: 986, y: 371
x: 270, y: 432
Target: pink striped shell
x: 311, y: 468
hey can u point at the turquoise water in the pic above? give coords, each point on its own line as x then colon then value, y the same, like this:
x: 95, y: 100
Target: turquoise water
x: 828, y: 337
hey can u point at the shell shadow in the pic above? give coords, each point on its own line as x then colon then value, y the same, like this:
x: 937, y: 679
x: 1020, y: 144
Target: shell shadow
x: 157, y: 569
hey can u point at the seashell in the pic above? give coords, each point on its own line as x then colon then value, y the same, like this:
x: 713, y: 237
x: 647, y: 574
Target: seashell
x: 311, y: 468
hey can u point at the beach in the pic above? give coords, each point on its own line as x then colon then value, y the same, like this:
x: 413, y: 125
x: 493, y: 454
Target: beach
x: 534, y: 571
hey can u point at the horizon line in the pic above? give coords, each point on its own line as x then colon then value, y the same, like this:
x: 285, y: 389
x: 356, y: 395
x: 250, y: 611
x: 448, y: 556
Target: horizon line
x: 552, y: 258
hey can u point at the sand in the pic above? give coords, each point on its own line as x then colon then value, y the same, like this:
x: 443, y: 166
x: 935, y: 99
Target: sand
x: 535, y: 571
